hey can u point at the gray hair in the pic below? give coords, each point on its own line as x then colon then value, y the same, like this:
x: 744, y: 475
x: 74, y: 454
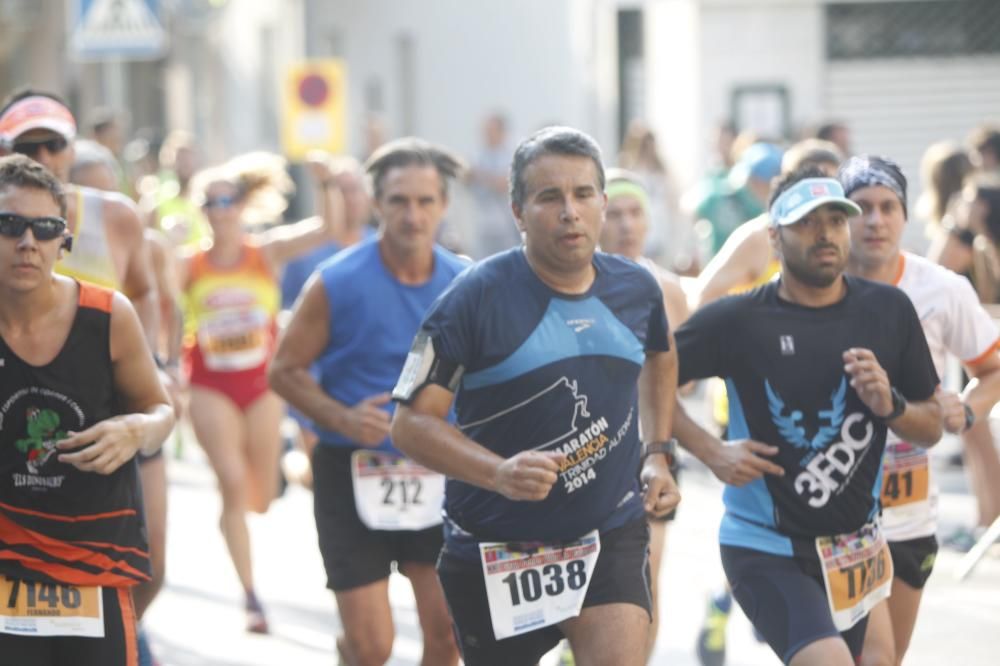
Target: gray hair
x: 89, y: 154
x: 554, y: 140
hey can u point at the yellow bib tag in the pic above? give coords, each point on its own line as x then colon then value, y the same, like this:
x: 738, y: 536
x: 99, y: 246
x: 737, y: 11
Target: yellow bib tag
x: 46, y: 609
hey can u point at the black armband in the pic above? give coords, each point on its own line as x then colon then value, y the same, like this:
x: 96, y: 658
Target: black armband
x: 423, y: 366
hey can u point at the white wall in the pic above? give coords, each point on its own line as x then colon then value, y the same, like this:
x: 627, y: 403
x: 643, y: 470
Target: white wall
x: 530, y: 59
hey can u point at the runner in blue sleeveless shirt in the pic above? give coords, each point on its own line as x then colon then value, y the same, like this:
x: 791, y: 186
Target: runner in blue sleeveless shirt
x: 354, y: 322
x: 547, y: 351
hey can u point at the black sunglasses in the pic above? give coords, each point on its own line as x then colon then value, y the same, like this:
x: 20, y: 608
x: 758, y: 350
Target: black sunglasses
x: 13, y: 225
x: 56, y: 144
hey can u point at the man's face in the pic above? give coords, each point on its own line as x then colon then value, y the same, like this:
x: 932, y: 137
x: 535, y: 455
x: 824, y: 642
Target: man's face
x: 814, y: 250
x: 51, y: 150
x: 26, y: 262
x: 876, y: 233
x: 357, y: 203
x: 411, y: 207
x: 625, y: 227
x: 562, y: 211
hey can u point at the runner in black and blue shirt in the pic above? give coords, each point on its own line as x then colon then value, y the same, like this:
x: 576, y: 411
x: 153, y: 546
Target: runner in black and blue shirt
x: 547, y: 351
x: 818, y: 367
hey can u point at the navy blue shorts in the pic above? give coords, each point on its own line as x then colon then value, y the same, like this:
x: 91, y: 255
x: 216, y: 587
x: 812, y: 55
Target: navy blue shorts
x: 785, y: 600
x: 621, y: 575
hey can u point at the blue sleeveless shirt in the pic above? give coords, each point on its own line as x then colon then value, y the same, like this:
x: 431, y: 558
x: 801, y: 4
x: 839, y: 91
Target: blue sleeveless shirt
x: 373, y: 319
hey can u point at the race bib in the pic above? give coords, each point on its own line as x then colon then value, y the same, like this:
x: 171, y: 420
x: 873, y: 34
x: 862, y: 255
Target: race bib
x: 234, y: 340
x: 44, y: 609
x: 394, y: 493
x: 857, y: 571
x: 530, y: 585
x: 905, y: 476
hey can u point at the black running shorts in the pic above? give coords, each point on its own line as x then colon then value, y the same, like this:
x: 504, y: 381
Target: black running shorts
x: 118, y: 647
x: 913, y: 560
x: 353, y: 554
x: 785, y: 600
x: 621, y: 575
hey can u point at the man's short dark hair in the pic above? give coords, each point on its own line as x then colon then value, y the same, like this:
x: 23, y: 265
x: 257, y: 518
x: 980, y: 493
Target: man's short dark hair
x: 986, y: 138
x: 551, y: 141
x: 411, y: 151
x: 783, y: 182
x: 827, y: 130
x: 22, y: 171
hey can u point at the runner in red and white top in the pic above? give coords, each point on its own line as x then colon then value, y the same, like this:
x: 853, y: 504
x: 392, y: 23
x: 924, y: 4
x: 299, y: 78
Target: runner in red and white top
x: 954, y: 324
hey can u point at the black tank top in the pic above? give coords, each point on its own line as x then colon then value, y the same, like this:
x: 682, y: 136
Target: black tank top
x: 57, y: 523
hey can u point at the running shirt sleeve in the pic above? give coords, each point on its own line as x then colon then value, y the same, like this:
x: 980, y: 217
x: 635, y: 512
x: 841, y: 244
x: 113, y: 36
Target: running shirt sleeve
x: 971, y: 334
x: 442, y: 347
x: 917, y: 377
x: 658, y: 329
x: 701, y: 352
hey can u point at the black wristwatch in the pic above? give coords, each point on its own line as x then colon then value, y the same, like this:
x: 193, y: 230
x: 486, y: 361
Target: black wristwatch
x: 898, y: 406
x: 970, y: 416
x: 667, y: 448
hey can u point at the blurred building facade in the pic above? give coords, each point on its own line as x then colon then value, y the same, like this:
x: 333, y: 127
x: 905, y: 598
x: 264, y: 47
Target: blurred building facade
x: 900, y: 74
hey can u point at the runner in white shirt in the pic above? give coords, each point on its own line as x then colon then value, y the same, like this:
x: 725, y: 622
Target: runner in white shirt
x: 954, y: 323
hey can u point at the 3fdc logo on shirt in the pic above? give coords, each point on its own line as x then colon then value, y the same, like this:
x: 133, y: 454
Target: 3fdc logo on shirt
x: 827, y: 468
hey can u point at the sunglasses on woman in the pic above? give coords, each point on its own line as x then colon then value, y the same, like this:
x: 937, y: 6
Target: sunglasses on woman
x: 13, y: 225
x: 56, y: 144
x: 220, y: 202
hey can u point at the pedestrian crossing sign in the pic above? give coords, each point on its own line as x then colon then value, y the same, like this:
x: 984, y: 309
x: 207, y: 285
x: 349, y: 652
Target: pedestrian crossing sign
x: 109, y: 29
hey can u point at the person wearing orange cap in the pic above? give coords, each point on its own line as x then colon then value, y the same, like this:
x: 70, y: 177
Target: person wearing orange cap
x: 109, y: 247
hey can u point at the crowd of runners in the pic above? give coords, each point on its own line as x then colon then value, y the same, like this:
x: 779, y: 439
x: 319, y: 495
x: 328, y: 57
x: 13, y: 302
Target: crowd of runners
x: 506, y: 432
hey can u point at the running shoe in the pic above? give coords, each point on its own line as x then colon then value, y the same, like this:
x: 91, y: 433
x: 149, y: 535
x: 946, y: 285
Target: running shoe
x: 711, y: 645
x: 256, y: 620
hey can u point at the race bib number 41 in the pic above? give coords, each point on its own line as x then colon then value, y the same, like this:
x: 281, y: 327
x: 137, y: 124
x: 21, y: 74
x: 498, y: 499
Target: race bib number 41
x: 43, y: 609
x: 857, y: 571
x: 906, y: 476
x: 530, y: 586
x: 394, y: 493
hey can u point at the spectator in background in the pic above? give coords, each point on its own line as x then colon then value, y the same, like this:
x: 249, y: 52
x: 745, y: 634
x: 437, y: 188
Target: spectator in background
x: 943, y: 171
x: 495, y: 230
x: 743, y: 196
x: 170, y: 207
x: 836, y: 132
x: 107, y: 128
x: 970, y: 247
x: 670, y: 239
x: 984, y: 142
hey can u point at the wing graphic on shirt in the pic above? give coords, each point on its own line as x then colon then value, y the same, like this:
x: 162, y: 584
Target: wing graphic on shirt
x: 552, y: 428
x: 793, y: 433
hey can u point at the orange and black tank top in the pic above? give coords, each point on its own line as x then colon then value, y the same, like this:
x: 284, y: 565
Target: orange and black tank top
x: 59, y: 524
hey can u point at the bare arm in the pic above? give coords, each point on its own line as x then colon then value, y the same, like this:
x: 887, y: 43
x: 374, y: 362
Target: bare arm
x: 149, y: 416
x: 980, y: 394
x: 138, y: 279
x: 736, y: 463
x: 288, y: 241
x: 919, y: 424
x: 167, y: 289
x: 302, y: 342
x: 742, y: 260
x: 657, y: 397
x: 421, y: 431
